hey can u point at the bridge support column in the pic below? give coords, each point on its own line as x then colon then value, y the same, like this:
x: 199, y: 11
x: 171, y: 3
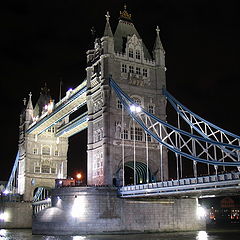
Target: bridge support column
x: 85, y: 210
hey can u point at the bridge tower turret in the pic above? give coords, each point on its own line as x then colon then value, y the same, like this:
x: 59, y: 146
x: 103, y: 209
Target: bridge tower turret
x: 42, y: 157
x: 125, y: 58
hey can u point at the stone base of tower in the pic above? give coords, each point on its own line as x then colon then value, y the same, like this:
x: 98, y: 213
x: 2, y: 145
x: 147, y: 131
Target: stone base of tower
x: 16, y: 215
x: 98, y: 210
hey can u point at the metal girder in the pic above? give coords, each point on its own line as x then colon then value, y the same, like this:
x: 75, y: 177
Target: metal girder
x: 65, y: 108
x: 75, y: 126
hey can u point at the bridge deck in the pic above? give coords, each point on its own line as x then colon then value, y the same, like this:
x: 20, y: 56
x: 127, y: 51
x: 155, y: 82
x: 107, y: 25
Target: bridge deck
x: 200, y: 186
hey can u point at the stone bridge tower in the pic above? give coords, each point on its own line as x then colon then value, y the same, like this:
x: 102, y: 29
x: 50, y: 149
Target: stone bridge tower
x: 43, y: 157
x: 125, y: 58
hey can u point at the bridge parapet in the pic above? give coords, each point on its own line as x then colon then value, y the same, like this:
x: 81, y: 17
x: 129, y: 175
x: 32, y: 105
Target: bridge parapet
x: 199, y: 186
x: 40, y: 205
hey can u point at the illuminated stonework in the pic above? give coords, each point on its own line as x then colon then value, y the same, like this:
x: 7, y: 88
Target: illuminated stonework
x: 125, y: 58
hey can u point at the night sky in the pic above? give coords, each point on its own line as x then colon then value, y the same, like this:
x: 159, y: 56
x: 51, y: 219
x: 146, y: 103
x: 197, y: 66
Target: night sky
x: 45, y: 41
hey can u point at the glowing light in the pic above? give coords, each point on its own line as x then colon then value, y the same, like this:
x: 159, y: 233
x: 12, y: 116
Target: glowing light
x: 6, y: 192
x: 4, y: 216
x: 79, y: 175
x: 3, y: 232
x: 78, y: 208
x: 201, y: 212
x: 78, y: 238
x: 135, y: 109
x: 202, y: 235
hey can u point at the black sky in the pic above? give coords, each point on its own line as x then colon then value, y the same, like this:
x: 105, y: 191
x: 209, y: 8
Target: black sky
x: 43, y: 41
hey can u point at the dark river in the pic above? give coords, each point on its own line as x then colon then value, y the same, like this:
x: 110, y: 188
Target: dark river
x: 219, y: 234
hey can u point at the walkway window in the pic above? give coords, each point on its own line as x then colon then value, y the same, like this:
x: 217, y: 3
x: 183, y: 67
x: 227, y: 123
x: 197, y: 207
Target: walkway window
x: 53, y: 170
x: 35, y: 151
x: 46, y: 151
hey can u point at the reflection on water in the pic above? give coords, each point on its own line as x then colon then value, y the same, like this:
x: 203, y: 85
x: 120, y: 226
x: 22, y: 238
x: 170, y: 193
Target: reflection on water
x: 202, y: 235
x: 21, y: 234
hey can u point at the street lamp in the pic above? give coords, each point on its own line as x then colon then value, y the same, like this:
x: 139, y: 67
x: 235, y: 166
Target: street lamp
x: 78, y: 176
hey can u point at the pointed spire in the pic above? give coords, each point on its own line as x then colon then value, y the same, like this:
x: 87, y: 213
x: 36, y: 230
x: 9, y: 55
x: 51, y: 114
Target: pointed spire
x: 158, y: 43
x: 108, y: 30
x: 29, y: 105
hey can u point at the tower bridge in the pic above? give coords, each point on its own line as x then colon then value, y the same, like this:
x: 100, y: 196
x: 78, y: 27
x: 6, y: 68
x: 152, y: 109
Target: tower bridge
x: 127, y: 145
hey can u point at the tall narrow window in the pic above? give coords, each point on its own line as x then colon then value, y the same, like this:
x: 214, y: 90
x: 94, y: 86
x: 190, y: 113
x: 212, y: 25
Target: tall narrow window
x: 124, y: 135
x: 138, y: 55
x: 119, y: 104
x: 124, y: 68
x: 151, y: 109
x: 130, y: 52
x: 145, y: 72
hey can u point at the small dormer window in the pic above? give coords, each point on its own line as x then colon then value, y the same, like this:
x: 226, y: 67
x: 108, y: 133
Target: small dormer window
x: 130, y: 52
x: 138, y: 55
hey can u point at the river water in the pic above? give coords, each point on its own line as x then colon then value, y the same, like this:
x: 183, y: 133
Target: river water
x: 220, y: 234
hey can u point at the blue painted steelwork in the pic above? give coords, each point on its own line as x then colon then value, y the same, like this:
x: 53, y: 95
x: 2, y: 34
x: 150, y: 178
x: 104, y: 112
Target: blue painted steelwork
x: 73, y: 124
x: 214, y: 184
x: 176, y: 103
x: 10, y: 185
x: 59, y: 108
x: 127, y: 101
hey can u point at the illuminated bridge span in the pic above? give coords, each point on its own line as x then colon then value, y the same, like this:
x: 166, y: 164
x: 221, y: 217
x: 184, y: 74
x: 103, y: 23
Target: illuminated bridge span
x: 205, y: 143
x: 74, y: 100
x: 129, y: 140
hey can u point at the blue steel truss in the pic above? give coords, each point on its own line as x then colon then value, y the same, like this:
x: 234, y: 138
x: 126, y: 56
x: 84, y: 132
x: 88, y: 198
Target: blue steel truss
x: 196, y: 148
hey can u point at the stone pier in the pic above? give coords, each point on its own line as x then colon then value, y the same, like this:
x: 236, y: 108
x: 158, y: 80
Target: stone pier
x: 98, y: 210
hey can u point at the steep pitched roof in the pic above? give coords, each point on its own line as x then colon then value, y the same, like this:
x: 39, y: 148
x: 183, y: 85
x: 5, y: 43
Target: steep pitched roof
x: 124, y: 29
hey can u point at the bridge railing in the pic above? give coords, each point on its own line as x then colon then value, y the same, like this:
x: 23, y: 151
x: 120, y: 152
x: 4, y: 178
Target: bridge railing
x: 189, y: 185
x: 40, y: 205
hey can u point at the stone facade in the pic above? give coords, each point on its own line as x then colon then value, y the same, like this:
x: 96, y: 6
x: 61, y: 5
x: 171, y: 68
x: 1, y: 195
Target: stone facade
x: 43, y: 157
x: 123, y: 57
x: 18, y: 215
x: 83, y: 210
